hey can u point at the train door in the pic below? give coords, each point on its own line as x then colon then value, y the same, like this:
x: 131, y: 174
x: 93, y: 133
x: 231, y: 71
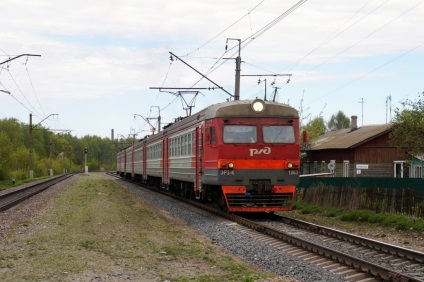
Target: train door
x: 132, y: 161
x: 165, y: 162
x: 144, y: 162
x: 199, y: 159
x: 125, y: 162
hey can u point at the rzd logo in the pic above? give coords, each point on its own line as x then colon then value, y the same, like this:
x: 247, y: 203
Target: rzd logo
x: 265, y: 151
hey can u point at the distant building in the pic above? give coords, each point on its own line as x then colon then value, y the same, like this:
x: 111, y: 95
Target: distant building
x: 358, y: 152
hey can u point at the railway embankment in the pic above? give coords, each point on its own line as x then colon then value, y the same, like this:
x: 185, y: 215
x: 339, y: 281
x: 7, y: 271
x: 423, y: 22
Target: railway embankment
x: 90, y: 229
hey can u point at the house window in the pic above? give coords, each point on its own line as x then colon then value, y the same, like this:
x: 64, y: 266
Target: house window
x: 401, y: 169
x: 418, y: 172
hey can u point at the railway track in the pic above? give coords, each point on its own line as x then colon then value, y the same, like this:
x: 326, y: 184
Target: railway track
x: 9, y: 199
x: 328, y: 255
x: 360, y: 259
x: 391, y: 263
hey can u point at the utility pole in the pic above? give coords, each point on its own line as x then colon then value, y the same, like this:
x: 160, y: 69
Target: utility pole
x: 158, y: 118
x: 389, y: 105
x: 31, y: 128
x: 362, y: 102
x: 85, y: 161
x: 152, y: 128
x: 51, y: 153
x: 31, y: 171
x: 238, y: 69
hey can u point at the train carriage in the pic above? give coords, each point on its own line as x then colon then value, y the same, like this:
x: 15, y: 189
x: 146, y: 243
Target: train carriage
x: 138, y: 161
x: 243, y: 156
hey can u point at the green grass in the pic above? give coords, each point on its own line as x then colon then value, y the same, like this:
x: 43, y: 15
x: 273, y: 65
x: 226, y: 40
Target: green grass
x: 396, y: 221
x: 95, y: 228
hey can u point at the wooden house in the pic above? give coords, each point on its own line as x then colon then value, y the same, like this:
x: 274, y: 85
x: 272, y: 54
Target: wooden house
x: 355, y: 152
x: 417, y: 163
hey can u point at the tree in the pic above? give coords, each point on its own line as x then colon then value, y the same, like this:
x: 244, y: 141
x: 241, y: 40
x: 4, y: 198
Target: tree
x: 408, y: 126
x: 338, y: 121
x: 6, y: 150
x: 315, y: 128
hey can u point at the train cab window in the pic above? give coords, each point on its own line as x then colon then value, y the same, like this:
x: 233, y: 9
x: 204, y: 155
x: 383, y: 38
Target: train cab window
x: 278, y: 134
x: 239, y: 134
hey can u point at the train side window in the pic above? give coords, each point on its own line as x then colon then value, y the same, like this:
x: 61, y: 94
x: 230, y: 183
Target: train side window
x: 278, y: 134
x: 190, y: 139
x: 185, y: 145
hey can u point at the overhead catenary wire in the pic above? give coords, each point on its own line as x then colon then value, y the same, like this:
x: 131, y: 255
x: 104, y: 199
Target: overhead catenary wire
x: 368, y: 73
x: 33, y: 111
x: 248, y: 40
x: 364, y: 38
x: 335, y: 33
x: 33, y: 89
x: 231, y: 25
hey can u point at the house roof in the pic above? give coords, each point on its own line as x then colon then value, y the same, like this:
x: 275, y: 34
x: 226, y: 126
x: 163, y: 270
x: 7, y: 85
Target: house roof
x: 347, y: 138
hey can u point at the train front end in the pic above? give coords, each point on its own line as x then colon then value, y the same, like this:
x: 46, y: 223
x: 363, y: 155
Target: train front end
x: 252, y: 153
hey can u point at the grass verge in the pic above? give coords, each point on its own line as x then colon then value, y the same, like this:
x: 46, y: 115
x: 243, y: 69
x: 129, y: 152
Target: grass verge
x: 395, y: 221
x: 95, y: 229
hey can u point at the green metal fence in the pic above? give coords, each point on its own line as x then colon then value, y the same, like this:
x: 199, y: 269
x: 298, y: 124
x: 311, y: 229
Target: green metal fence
x: 395, y: 195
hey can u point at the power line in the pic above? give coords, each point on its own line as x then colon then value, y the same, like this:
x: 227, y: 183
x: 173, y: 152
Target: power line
x: 333, y: 35
x: 255, y: 36
x: 359, y: 41
x: 362, y: 102
x: 26, y: 99
x: 33, y: 89
x: 370, y: 72
x: 231, y: 25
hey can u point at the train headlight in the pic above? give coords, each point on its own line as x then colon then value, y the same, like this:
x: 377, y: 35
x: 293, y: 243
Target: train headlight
x: 230, y: 165
x: 258, y: 106
x: 289, y: 165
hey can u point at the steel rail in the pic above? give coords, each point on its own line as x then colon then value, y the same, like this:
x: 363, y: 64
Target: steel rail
x: 12, y: 198
x: 355, y: 239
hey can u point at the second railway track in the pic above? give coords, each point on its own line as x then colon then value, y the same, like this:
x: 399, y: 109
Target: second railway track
x: 13, y: 197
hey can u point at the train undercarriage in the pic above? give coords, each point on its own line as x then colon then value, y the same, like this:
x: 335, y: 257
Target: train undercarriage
x: 258, y: 196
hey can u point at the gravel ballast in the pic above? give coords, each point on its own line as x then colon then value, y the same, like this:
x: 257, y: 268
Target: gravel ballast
x: 231, y: 239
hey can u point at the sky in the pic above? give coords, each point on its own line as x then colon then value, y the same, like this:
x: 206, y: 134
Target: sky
x: 93, y: 63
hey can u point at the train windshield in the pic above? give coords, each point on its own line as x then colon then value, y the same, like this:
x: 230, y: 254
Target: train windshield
x: 278, y: 134
x: 240, y: 134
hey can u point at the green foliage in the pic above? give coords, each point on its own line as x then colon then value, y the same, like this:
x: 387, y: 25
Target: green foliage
x: 311, y: 210
x: 315, y: 128
x: 5, y: 150
x: 338, y: 121
x: 408, y: 128
x: 67, y: 151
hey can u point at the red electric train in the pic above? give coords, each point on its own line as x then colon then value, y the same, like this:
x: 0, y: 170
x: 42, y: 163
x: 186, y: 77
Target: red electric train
x: 243, y: 156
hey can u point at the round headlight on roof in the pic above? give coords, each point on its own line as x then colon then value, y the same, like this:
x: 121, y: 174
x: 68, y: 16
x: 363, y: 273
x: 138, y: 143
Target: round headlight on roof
x: 258, y: 106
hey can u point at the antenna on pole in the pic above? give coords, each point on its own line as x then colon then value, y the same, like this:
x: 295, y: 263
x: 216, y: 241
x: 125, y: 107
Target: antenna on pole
x: 362, y: 102
x: 238, y: 70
